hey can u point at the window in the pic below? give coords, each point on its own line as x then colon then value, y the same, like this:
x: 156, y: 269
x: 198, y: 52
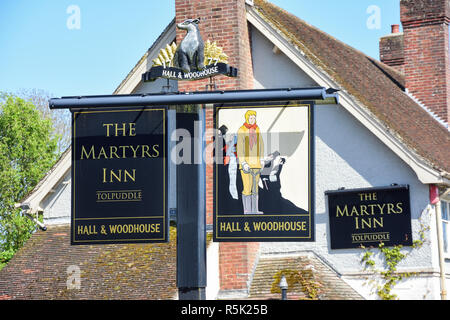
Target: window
x: 445, y: 211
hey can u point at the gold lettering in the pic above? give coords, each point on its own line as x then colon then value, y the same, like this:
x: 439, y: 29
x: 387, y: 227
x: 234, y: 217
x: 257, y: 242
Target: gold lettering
x: 107, y: 128
x: 123, y: 129
x: 302, y: 225
x: 399, y: 207
x: 102, y: 152
x: 390, y: 208
x: 111, y: 152
x: 132, y: 129
x: 341, y: 212
x: 371, y: 206
x: 381, y: 208
x: 155, y: 149
x: 134, y: 151
x: 367, y: 196
x: 88, y: 155
x: 124, y: 151
x: 370, y: 223
x: 86, y: 230
x: 132, y: 177
x: 118, y: 177
x: 367, y: 222
x: 364, y: 210
x: 378, y: 222
x: 230, y: 226
x: 135, y: 228
x: 145, y: 151
x: 120, y: 152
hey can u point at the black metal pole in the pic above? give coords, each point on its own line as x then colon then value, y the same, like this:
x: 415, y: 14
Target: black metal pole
x: 283, y: 294
x: 283, y: 286
x: 191, y: 204
x: 180, y: 98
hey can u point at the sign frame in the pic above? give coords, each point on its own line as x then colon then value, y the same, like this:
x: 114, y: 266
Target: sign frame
x: 309, y: 236
x: 136, y: 221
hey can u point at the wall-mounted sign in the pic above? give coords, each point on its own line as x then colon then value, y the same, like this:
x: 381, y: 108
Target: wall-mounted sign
x: 192, y: 59
x: 263, y: 181
x: 119, y: 176
x: 370, y: 216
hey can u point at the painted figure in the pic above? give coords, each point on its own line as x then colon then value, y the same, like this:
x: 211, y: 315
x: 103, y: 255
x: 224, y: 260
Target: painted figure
x: 250, y: 153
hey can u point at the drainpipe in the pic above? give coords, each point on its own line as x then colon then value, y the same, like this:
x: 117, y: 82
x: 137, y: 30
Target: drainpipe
x: 437, y: 207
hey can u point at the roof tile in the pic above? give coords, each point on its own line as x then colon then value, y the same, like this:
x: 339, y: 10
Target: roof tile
x: 41, y: 269
x: 318, y: 277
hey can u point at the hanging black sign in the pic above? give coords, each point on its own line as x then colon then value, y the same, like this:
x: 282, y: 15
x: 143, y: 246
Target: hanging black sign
x: 119, y: 176
x: 263, y: 181
x: 369, y: 216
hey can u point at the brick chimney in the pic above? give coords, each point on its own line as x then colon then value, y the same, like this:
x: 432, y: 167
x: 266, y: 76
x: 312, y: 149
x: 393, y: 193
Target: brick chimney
x: 225, y: 22
x: 426, y: 52
x: 391, y: 49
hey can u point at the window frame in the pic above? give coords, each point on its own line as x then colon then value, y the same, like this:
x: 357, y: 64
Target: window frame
x: 445, y: 218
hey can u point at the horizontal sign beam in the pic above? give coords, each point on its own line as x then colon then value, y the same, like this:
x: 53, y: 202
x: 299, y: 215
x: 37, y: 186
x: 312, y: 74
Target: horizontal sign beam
x: 318, y: 93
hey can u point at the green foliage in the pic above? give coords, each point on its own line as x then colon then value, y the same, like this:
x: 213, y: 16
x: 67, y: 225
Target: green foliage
x: 5, y: 256
x: 298, y: 278
x: 389, y: 277
x: 27, y: 151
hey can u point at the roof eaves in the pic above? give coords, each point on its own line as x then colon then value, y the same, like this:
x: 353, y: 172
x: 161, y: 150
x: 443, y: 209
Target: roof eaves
x: 54, y: 175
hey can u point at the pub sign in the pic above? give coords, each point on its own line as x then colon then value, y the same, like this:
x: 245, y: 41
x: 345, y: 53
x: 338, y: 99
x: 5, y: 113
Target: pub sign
x: 367, y: 217
x: 263, y: 181
x: 119, y: 175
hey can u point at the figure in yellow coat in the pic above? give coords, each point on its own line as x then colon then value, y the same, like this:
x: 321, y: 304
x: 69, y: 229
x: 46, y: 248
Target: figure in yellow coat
x: 250, y: 150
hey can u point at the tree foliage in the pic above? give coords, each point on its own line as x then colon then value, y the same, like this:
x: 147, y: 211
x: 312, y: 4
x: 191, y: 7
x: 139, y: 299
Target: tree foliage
x: 60, y: 118
x: 28, y: 149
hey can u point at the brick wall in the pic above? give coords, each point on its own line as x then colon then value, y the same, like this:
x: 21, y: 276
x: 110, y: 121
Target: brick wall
x: 223, y: 21
x: 426, y: 50
x: 391, y: 49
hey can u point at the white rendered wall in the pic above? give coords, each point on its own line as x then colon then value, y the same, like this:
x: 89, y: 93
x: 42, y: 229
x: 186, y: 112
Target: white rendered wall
x: 156, y: 86
x: 280, y: 72
x: 348, y: 155
x: 57, y: 203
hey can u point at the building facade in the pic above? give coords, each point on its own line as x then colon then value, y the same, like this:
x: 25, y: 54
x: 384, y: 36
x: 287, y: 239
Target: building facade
x: 390, y: 127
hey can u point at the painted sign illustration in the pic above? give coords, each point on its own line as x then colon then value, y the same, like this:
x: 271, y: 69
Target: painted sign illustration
x: 370, y: 216
x: 263, y: 172
x: 119, y: 176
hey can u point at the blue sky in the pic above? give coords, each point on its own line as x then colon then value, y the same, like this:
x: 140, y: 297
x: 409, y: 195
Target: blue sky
x: 39, y: 51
